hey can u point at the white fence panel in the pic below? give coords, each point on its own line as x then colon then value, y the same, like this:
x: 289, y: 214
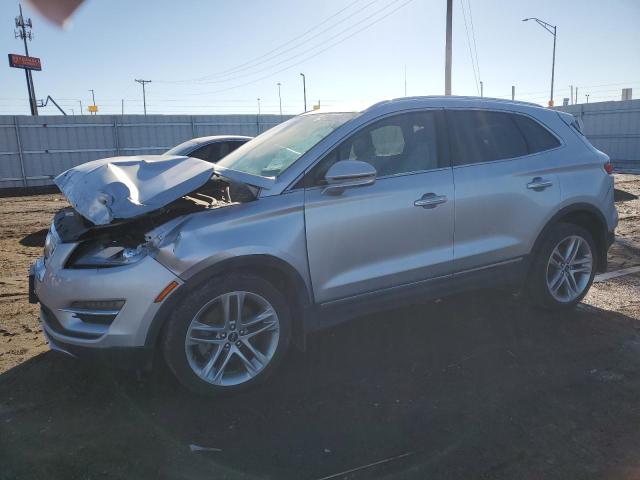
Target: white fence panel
x: 33, y: 150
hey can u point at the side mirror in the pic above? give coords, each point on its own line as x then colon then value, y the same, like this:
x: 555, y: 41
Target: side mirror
x: 348, y: 174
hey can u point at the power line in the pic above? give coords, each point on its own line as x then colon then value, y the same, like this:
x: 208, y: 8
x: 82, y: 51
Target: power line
x: 312, y: 56
x: 318, y: 45
x: 473, y: 35
x: 284, y: 44
x: 473, y: 63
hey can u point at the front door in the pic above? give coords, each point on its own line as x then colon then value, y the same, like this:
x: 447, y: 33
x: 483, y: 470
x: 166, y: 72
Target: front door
x: 395, y: 232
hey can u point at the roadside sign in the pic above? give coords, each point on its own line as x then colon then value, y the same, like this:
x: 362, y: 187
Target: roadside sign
x: 93, y: 108
x: 22, y: 61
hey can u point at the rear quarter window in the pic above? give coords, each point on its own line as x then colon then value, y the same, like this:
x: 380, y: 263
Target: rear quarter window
x: 538, y: 138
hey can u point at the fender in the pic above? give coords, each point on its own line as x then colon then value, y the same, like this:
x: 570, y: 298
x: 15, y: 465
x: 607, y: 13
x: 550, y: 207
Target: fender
x: 257, y: 264
x: 601, y: 238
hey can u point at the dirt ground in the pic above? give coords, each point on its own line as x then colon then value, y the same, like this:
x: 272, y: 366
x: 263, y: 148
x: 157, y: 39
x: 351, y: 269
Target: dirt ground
x: 473, y: 386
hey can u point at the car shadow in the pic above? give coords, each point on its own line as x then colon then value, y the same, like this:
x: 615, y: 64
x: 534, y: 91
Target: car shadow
x: 623, y: 196
x: 471, y: 386
x: 35, y: 239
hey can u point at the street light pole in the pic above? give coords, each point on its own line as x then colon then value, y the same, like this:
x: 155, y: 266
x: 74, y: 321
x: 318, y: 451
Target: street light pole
x: 258, y: 118
x: 553, y: 30
x: 280, y: 99
x: 447, y: 49
x: 304, y: 90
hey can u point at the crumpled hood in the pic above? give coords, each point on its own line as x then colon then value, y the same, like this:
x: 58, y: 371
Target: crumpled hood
x: 126, y: 187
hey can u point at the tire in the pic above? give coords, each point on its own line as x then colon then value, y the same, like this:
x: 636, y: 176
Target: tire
x: 197, y: 332
x: 545, y: 275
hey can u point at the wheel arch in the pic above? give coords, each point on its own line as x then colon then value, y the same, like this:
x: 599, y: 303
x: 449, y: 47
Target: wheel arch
x: 278, y: 272
x: 588, y: 217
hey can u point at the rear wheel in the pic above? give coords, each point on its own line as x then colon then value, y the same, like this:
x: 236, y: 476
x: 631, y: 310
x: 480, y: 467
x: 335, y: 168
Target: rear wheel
x: 228, y: 334
x: 564, y: 267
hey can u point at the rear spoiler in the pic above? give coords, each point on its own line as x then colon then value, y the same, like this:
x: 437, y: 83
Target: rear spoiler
x: 572, y: 121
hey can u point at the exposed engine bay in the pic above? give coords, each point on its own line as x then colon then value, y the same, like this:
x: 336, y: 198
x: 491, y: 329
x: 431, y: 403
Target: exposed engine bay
x: 216, y: 193
x: 123, y: 239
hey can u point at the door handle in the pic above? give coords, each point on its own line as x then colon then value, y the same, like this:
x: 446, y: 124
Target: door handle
x: 430, y: 200
x: 538, y: 183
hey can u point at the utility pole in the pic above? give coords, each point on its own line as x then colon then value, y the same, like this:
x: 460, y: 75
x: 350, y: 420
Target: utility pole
x: 447, y: 49
x: 587, y: 95
x: 553, y: 30
x: 571, y: 87
x: 80, y: 102
x: 23, y: 34
x: 258, y: 106
x: 144, y: 93
x: 576, y: 95
x: 122, y: 102
x: 513, y: 92
x: 481, y: 89
x: 280, y: 98
x: 304, y: 90
x: 93, y: 97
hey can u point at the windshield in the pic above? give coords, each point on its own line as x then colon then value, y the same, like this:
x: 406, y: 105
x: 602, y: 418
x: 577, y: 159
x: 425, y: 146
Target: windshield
x: 271, y: 153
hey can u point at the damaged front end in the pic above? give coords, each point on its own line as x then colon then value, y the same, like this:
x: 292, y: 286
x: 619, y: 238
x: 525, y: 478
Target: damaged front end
x: 122, y: 208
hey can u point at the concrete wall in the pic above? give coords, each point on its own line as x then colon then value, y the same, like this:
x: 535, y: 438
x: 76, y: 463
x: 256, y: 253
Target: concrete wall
x: 33, y: 150
x: 614, y: 128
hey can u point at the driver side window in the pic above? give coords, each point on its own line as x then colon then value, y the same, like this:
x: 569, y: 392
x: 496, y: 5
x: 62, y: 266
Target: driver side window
x: 394, y: 145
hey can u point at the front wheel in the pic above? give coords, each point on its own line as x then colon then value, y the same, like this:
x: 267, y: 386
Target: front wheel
x: 228, y: 334
x: 564, y: 267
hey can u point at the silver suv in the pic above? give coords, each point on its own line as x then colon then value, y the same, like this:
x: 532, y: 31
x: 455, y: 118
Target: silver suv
x: 324, y: 217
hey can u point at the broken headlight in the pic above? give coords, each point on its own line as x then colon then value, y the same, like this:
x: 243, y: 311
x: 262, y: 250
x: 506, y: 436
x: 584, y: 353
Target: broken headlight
x: 50, y: 242
x: 100, y: 254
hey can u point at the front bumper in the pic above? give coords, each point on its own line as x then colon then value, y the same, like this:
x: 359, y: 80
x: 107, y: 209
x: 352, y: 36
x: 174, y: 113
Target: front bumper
x: 130, y: 358
x: 57, y: 288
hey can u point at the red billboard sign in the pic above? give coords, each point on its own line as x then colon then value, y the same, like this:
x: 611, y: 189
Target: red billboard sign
x: 22, y: 61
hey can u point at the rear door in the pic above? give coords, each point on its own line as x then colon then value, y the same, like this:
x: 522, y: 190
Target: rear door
x: 381, y: 236
x: 505, y: 187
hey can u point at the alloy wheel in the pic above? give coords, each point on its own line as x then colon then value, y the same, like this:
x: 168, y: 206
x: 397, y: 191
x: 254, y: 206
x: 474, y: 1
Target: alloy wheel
x: 232, y: 338
x: 569, y: 269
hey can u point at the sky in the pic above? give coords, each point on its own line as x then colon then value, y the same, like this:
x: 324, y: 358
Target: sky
x: 216, y: 56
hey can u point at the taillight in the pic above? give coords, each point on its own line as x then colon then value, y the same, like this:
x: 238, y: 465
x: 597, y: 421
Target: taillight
x: 608, y: 167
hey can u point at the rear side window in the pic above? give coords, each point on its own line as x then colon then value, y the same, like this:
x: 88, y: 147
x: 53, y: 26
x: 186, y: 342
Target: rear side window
x: 209, y: 152
x: 537, y: 137
x: 234, y: 145
x: 479, y: 136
